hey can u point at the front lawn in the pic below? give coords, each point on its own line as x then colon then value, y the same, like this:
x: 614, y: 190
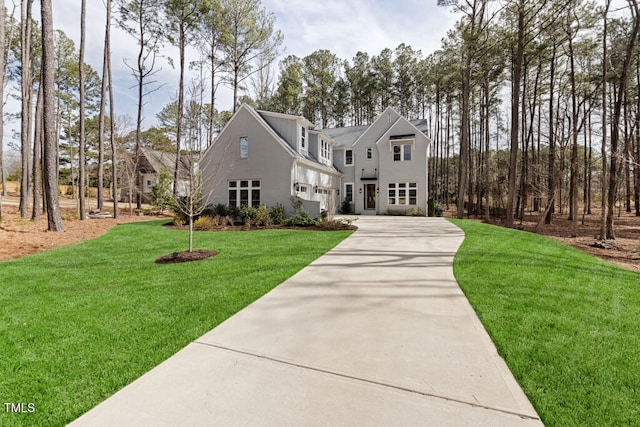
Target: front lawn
x: 80, y: 322
x: 566, y: 323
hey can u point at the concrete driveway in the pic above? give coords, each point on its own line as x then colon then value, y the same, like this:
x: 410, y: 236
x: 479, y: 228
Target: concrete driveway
x: 374, y: 333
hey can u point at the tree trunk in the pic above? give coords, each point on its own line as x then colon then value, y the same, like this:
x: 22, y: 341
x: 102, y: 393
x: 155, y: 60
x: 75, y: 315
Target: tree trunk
x: 103, y: 101
x: 551, y: 178
x: 515, y: 116
x: 25, y: 118
x: 3, y: 67
x: 49, y: 170
x: 636, y: 171
x: 176, y: 173
x: 573, y: 186
x: 81, y: 143
x: 617, y: 110
x: 37, y: 159
x: 603, y: 204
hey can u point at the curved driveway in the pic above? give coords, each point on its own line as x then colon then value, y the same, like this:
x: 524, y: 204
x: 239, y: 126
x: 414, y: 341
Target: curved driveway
x: 375, y: 332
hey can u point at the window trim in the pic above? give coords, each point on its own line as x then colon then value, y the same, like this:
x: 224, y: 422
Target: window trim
x: 236, y: 186
x: 244, y: 147
x: 402, y: 190
x: 345, y: 158
x: 346, y: 192
x: 403, y: 143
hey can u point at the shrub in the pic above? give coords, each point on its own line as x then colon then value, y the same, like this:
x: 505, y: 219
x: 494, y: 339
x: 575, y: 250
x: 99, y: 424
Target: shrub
x: 248, y: 215
x: 414, y: 212
x: 234, y: 212
x: 394, y: 212
x: 438, y: 209
x: 345, y: 207
x: 262, y: 216
x: 296, y: 203
x: 220, y: 210
x: 334, y: 224
x: 206, y: 223
x: 178, y: 220
x: 301, y: 219
x: 277, y: 213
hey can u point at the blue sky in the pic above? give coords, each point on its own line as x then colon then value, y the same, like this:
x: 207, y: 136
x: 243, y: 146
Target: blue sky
x: 342, y: 26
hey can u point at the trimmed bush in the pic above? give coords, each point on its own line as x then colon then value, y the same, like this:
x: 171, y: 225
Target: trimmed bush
x: 345, y: 207
x: 414, y: 212
x: 262, y: 216
x: 277, y: 213
x: 301, y: 219
x: 205, y: 223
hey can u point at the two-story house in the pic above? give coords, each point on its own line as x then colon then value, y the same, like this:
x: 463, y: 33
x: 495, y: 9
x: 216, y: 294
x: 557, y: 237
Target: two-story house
x: 384, y: 164
x: 261, y: 157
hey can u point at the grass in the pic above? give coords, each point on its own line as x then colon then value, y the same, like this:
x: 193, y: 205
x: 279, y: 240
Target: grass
x: 80, y: 322
x: 566, y: 323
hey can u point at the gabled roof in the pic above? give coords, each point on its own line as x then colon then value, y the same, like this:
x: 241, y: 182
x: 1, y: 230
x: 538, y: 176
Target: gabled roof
x: 348, y: 136
x: 159, y: 160
x: 301, y: 119
x: 309, y: 158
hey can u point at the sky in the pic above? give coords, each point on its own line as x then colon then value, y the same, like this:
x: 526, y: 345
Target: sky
x: 342, y: 26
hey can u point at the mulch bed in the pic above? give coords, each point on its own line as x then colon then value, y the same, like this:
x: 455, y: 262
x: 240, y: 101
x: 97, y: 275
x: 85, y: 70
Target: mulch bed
x: 269, y: 227
x: 186, y: 256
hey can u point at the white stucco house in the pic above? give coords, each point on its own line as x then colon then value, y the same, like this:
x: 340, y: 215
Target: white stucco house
x: 262, y: 157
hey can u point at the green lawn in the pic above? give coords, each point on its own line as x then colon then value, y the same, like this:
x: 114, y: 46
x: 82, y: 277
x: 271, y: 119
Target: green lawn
x: 80, y: 322
x: 566, y: 323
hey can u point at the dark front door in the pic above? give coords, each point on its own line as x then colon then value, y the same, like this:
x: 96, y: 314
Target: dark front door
x: 370, y: 196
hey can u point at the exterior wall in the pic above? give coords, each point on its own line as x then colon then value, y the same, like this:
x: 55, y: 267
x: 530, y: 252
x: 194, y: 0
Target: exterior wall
x: 376, y: 173
x: 414, y: 170
x: 317, y: 182
x: 267, y: 161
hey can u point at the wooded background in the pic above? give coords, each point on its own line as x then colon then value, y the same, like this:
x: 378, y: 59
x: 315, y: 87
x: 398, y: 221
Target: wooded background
x: 531, y: 106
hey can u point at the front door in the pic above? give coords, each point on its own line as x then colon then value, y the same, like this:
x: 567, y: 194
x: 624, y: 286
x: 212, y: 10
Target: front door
x: 370, y: 196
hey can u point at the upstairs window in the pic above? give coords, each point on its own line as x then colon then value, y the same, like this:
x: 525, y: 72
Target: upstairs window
x: 369, y: 153
x: 325, y: 152
x: 401, y: 152
x: 244, y: 147
x: 303, y: 138
x: 348, y: 157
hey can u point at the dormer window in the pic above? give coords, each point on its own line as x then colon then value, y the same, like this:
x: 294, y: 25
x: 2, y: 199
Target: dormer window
x: 325, y: 152
x: 303, y: 137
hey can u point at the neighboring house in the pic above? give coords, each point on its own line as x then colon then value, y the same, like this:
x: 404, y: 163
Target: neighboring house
x: 150, y: 164
x: 262, y: 157
x: 384, y: 164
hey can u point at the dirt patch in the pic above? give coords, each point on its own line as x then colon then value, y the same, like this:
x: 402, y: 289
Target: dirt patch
x: 623, y: 251
x: 186, y: 256
x: 19, y: 237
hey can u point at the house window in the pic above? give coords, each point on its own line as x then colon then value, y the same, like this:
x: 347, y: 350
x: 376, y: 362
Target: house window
x: 348, y: 192
x: 303, y: 137
x: 402, y: 193
x: 369, y: 153
x: 244, y: 193
x: 300, y: 188
x: 325, y: 152
x: 348, y: 157
x: 244, y: 147
x: 401, y: 152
